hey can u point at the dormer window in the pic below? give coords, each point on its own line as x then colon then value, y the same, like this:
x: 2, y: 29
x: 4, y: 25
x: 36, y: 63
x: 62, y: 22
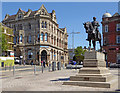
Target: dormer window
x: 43, y: 11
x: 19, y: 15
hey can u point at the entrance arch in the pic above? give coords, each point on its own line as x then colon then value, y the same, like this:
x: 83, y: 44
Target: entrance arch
x: 44, y: 55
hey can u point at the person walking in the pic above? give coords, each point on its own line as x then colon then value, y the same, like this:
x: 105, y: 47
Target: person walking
x: 44, y: 63
x: 24, y: 62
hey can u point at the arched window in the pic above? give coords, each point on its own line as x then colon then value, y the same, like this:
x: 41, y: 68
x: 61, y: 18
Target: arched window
x: 30, y: 54
x: 42, y: 24
x: 41, y: 36
x: 46, y: 36
x: 38, y: 37
x: 29, y: 26
x: 18, y: 39
x: 15, y: 39
x: 45, y: 24
x: 21, y: 38
x: 29, y: 39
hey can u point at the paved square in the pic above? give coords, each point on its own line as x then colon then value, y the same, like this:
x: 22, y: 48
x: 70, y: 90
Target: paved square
x: 47, y: 81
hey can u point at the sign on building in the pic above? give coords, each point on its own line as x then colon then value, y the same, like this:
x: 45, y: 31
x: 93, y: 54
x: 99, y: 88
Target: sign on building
x: 12, y: 54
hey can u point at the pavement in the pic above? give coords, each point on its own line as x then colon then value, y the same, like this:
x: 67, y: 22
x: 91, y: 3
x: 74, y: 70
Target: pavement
x: 47, y: 81
x: 20, y: 69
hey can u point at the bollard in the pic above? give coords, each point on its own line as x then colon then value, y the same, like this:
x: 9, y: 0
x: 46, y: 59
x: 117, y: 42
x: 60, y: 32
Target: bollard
x: 59, y: 65
x: 13, y: 70
x: 63, y: 65
x: 5, y: 67
x: 34, y: 69
x: 76, y: 66
x: 42, y: 67
x: 49, y: 67
x: 53, y: 66
x: 9, y: 67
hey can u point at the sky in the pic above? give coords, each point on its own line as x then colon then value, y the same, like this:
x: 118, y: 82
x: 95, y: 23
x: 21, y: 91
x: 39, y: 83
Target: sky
x: 71, y: 15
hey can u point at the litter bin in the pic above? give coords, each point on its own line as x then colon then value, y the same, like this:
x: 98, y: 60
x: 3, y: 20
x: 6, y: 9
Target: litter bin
x: 53, y: 66
x: 59, y: 65
x: 2, y: 64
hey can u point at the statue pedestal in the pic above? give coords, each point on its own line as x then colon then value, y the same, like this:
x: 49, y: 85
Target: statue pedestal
x: 94, y: 72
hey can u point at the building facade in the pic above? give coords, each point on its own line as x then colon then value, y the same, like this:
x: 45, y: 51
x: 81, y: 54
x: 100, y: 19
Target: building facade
x: 8, y: 35
x: 111, y: 36
x: 38, y: 36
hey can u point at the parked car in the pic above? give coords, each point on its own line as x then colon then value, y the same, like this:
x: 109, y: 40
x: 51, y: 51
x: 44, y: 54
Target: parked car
x: 69, y: 66
x: 73, y: 62
x: 114, y: 65
x: 17, y: 60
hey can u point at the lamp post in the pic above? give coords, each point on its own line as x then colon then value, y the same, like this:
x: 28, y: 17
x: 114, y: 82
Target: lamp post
x: 73, y: 42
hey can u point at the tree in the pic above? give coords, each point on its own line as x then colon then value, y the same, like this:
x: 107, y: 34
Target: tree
x: 4, y: 44
x: 79, y: 53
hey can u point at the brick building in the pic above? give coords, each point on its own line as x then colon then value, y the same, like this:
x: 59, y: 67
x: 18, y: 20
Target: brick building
x: 38, y: 36
x: 111, y: 36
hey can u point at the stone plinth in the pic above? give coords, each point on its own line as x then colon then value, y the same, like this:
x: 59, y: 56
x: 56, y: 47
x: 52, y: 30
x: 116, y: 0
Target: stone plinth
x: 94, y: 72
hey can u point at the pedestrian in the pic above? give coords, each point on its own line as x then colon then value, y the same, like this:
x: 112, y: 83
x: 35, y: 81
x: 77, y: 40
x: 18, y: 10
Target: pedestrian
x: 41, y: 63
x: 31, y: 62
x: 24, y: 62
x: 44, y: 63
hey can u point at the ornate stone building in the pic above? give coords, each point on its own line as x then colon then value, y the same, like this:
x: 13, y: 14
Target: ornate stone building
x: 38, y: 36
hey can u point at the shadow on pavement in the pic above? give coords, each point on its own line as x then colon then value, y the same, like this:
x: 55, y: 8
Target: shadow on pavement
x: 61, y: 79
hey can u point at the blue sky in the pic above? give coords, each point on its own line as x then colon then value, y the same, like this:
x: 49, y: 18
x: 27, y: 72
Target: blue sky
x: 71, y: 15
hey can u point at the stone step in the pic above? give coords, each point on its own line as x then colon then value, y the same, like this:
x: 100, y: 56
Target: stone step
x: 110, y: 84
x: 93, y: 63
x: 100, y: 75
x: 93, y: 71
x: 92, y: 78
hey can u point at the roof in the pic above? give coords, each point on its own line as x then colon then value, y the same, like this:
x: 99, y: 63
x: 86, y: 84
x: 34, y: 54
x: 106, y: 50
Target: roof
x: 63, y: 29
x: 12, y: 17
x: 106, y: 15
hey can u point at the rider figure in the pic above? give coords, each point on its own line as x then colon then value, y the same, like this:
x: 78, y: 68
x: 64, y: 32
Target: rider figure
x: 95, y: 25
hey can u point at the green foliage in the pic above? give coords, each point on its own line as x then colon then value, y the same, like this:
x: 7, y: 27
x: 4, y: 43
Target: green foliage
x: 79, y: 54
x: 4, y: 42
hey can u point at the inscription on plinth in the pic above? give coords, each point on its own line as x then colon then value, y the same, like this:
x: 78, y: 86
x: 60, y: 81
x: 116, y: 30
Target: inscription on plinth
x: 86, y: 79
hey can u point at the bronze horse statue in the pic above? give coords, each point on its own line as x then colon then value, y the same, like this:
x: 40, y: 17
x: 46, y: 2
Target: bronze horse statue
x: 92, y: 35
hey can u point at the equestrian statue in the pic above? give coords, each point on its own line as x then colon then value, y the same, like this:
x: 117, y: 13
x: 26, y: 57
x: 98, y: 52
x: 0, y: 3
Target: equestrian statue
x: 93, y: 32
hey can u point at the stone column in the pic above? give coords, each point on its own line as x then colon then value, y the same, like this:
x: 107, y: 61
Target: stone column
x: 40, y: 58
x: 43, y: 37
x: 48, y: 59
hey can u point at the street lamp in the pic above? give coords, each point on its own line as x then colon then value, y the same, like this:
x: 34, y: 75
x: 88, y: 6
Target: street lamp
x: 73, y: 41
